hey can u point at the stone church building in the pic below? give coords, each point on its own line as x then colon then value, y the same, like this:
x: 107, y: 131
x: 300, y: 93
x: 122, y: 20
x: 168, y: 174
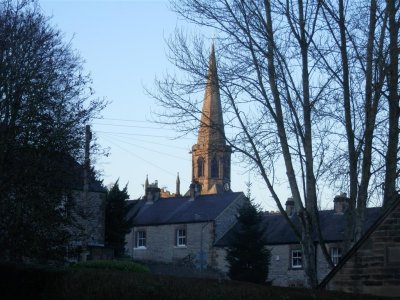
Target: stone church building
x: 183, y: 229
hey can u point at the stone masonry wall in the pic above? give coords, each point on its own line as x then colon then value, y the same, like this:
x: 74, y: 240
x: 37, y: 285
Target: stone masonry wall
x: 93, y: 216
x: 280, y: 271
x: 161, y: 244
x: 375, y: 267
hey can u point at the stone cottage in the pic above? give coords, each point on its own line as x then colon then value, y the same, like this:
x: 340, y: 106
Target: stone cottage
x: 286, y: 268
x: 182, y: 230
x: 372, y: 266
x: 88, y: 215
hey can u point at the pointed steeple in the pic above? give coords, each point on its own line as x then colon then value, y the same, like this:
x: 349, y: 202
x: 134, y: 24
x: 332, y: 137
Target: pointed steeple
x: 211, y: 157
x: 211, y: 129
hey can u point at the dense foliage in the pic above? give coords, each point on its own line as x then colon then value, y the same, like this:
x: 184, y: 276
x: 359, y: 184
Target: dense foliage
x: 247, y: 255
x: 45, y: 102
x: 117, y: 222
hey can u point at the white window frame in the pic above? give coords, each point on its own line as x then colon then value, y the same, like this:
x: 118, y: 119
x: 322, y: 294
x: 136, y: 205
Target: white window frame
x: 296, y: 259
x: 336, y: 254
x: 140, y: 239
x: 181, y: 237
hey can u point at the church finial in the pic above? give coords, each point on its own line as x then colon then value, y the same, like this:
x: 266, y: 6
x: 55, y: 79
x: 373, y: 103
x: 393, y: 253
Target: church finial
x: 178, y: 185
x: 146, y: 183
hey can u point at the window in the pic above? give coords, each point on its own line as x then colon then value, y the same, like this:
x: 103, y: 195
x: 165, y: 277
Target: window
x: 181, y: 237
x: 227, y: 168
x: 336, y: 255
x: 140, y: 239
x: 214, y: 168
x: 296, y: 259
x: 200, y: 167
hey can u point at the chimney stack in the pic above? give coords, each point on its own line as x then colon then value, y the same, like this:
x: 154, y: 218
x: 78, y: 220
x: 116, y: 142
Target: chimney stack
x: 341, y: 202
x: 194, y: 190
x: 290, y: 209
x: 152, y: 192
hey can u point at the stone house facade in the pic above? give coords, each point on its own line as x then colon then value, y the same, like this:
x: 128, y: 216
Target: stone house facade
x: 372, y: 266
x: 182, y: 230
x: 88, y: 216
x: 286, y: 265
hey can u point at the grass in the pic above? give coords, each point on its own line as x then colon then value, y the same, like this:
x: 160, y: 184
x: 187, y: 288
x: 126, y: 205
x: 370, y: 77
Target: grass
x: 83, y: 282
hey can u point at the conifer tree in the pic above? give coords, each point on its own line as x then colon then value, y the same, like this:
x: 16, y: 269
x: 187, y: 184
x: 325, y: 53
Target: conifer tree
x: 247, y: 256
x: 117, y: 223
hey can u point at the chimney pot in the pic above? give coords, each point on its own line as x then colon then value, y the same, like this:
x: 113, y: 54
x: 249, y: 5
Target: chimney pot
x: 290, y: 209
x: 340, y: 203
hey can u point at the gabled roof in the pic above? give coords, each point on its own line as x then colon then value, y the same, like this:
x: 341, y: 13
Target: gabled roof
x: 177, y: 210
x: 353, y: 250
x: 278, y: 231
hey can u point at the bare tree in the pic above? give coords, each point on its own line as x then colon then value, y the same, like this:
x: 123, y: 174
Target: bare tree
x: 295, y: 81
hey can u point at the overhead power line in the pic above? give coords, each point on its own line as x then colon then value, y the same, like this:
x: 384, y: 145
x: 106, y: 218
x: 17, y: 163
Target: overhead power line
x: 142, y: 159
x: 146, y: 135
x: 131, y: 126
x: 123, y: 120
x: 148, y: 149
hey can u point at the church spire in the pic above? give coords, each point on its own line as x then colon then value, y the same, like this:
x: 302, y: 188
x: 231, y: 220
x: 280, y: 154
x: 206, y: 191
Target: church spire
x: 211, y: 157
x: 211, y: 129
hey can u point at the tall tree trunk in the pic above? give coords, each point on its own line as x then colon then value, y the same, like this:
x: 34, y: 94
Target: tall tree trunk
x: 352, y: 155
x: 393, y: 98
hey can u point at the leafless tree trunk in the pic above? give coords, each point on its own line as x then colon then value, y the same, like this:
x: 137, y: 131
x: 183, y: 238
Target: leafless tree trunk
x: 390, y: 194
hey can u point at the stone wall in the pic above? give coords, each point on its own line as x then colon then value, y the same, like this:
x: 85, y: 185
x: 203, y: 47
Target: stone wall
x: 280, y: 271
x: 374, y: 268
x: 92, y: 216
x: 161, y: 244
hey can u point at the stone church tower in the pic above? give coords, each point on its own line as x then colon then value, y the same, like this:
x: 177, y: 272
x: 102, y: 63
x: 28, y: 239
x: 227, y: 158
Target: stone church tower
x: 211, y: 157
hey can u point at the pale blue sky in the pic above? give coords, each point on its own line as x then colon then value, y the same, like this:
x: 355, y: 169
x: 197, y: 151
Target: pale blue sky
x: 123, y: 44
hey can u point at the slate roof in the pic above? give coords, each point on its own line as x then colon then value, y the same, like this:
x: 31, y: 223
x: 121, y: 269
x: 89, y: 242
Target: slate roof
x: 278, y: 232
x: 177, y: 210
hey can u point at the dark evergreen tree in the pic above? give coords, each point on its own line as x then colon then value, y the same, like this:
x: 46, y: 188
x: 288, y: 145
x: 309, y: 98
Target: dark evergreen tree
x: 247, y: 256
x: 117, y: 222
